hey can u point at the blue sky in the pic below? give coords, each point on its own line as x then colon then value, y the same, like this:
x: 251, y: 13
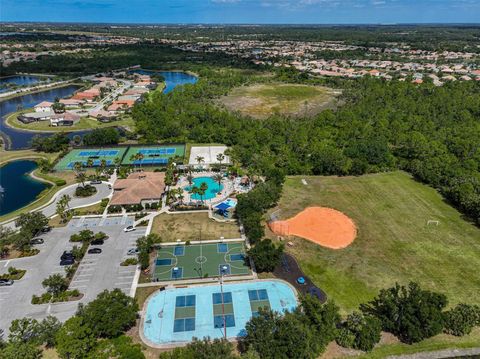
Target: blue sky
x: 243, y: 11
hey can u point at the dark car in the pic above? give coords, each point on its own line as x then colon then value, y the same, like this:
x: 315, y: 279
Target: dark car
x: 67, y: 261
x: 94, y: 251
x: 4, y: 282
x: 67, y: 255
x: 97, y: 242
x: 37, y: 240
x: 46, y: 229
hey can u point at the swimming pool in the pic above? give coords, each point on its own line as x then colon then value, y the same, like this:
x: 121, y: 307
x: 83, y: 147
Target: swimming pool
x: 211, y: 192
x: 171, y: 316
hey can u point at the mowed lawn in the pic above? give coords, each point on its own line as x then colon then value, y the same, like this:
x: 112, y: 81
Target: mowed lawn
x: 394, y: 243
x: 192, y: 227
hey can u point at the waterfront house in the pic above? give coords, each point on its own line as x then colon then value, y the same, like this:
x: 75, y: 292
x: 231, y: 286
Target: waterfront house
x: 44, y: 106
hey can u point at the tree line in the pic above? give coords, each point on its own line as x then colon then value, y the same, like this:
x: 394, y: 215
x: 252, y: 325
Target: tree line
x: 431, y: 132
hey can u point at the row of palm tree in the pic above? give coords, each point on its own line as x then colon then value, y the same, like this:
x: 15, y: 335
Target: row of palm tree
x: 80, y: 169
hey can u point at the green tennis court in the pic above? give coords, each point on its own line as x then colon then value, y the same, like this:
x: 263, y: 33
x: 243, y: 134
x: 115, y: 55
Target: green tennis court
x: 153, y: 155
x: 95, y: 154
x: 200, y: 260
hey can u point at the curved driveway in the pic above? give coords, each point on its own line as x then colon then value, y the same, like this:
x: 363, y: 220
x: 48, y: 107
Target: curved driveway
x: 77, y: 202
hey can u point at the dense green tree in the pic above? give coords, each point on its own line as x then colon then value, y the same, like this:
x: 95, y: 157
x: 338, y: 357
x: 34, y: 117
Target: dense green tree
x: 21, y: 351
x: 274, y: 337
x: 421, y: 312
x: 360, y: 332
x: 110, y: 314
x: 30, y: 223
x: 322, y: 319
x: 102, y: 137
x: 266, y: 255
x: 75, y: 339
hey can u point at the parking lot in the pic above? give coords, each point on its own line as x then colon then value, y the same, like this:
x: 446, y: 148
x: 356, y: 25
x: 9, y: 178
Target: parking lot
x: 95, y: 273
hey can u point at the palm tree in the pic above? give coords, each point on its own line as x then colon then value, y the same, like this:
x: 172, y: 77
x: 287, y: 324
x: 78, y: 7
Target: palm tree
x: 220, y: 158
x: 141, y: 156
x: 190, y: 179
x: 218, y: 177
x: 89, y: 162
x: 181, y: 196
x: 200, y: 159
x: 133, y: 159
x: 202, y: 190
x: 193, y: 191
x: 117, y: 162
x: 79, y: 173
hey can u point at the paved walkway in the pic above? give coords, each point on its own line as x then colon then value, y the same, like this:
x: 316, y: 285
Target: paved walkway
x: 77, y: 202
x: 439, y: 354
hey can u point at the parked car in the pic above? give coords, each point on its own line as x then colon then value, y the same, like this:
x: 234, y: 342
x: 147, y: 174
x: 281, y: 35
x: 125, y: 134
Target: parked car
x: 94, y: 251
x: 132, y: 251
x: 109, y: 186
x: 97, y: 242
x: 67, y: 255
x: 37, y: 240
x: 46, y: 229
x: 129, y: 229
x: 4, y: 282
x: 67, y: 261
x: 96, y: 182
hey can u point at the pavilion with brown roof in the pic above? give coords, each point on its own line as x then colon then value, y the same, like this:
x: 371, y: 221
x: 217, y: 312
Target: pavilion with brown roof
x: 139, y: 188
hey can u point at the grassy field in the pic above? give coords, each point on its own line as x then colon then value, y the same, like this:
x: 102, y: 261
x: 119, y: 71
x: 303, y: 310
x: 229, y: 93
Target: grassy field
x: 394, y: 243
x: 190, y: 226
x: 261, y: 101
x: 7, y: 156
x: 82, y: 124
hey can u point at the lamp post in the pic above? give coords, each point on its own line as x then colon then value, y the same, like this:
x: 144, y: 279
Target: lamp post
x: 222, y: 272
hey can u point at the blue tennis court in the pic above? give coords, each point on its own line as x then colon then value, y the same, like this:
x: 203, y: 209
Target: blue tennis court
x: 171, y: 316
x: 95, y: 157
x: 153, y: 155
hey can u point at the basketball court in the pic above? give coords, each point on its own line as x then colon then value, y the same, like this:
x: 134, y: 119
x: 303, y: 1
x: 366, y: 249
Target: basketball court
x: 195, y: 261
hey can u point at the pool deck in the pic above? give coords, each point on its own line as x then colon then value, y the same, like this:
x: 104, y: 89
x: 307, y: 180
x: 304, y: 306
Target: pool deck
x: 172, y: 345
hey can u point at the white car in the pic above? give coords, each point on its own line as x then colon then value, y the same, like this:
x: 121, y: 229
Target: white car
x: 132, y: 251
x: 129, y: 229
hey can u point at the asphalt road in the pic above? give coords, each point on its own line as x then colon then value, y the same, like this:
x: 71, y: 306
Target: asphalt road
x: 96, y: 273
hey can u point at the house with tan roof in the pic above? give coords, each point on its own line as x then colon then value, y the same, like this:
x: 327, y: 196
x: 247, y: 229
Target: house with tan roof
x: 139, y: 188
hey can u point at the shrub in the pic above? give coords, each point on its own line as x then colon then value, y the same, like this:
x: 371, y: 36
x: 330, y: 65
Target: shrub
x: 460, y: 320
x: 114, y: 209
x: 59, y: 182
x: 345, y: 338
x: 85, y: 191
x: 100, y: 235
x: 129, y: 262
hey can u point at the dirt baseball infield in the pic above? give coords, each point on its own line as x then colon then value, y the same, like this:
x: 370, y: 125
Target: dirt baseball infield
x: 324, y: 226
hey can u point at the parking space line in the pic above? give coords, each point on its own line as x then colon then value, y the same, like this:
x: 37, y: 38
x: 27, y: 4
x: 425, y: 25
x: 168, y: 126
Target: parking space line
x: 78, y: 286
x: 123, y: 283
x: 80, y: 280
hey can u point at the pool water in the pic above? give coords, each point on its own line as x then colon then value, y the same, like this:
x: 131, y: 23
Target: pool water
x: 176, y: 315
x: 212, y: 190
